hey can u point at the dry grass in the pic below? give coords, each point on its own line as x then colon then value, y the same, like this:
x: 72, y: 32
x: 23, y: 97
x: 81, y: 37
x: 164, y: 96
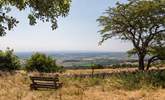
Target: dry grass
x: 16, y: 87
x: 106, y: 70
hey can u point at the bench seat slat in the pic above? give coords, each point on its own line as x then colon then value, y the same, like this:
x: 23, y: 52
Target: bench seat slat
x: 45, y: 86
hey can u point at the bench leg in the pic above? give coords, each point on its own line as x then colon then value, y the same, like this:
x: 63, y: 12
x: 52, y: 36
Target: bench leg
x: 32, y: 87
x: 60, y: 85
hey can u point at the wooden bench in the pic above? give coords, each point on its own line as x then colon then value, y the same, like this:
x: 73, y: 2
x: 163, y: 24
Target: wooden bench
x: 45, y: 82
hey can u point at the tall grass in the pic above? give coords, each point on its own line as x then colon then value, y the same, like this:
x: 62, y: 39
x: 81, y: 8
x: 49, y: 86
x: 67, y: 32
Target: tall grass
x: 125, y: 85
x: 142, y: 79
x: 125, y: 80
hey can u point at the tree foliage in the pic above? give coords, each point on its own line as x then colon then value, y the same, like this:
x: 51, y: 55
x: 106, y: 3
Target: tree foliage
x: 44, y: 10
x: 156, y: 53
x: 97, y: 66
x: 142, y: 22
x: 9, y: 61
x: 42, y: 63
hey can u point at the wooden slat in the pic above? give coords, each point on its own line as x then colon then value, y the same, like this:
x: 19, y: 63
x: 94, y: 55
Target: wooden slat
x: 45, y: 82
x: 45, y: 86
x: 44, y: 78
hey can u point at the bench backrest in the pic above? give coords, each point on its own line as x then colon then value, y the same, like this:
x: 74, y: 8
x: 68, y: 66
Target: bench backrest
x: 35, y: 79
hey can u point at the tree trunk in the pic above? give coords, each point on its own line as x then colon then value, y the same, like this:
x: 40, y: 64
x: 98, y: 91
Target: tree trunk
x: 149, y: 64
x: 152, y: 59
x: 141, y: 62
x: 92, y: 72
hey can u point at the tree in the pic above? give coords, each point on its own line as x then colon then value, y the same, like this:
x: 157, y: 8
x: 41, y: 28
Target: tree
x: 141, y: 22
x: 9, y: 61
x: 156, y: 53
x: 44, y: 10
x: 96, y: 66
x: 42, y: 63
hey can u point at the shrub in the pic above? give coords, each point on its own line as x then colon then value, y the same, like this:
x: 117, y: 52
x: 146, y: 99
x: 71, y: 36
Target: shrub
x: 97, y: 66
x: 9, y: 61
x: 124, y: 66
x: 42, y: 63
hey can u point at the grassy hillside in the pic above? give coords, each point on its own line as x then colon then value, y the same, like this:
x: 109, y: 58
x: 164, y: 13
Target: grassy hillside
x: 120, y: 86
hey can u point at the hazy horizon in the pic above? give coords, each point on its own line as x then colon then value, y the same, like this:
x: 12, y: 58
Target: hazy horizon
x: 72, y: 51
x: 76, y: 32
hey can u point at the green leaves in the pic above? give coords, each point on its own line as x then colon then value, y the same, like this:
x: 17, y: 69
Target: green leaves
x: 158, y: 51
x: 141, y: 22
x: 134, y: 17
x: 6, y: 22
x: 43, y: 10
x: 32, y: 20
x: 9, y: 61
x: 49, y: 10
x: 42, y: 63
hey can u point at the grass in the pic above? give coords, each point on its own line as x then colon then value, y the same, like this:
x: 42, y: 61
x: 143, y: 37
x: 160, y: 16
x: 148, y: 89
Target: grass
x: 121, y: 86
x: 106, y: 70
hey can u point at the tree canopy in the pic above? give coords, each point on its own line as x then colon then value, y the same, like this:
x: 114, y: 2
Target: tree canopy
x: 44, y: 10
x: 42, y: 63
x: 156, y: 53
x: 142, y: 22
x: 9, y: 61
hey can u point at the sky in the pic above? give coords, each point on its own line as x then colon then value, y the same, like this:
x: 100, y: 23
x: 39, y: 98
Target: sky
x: 76, y: 32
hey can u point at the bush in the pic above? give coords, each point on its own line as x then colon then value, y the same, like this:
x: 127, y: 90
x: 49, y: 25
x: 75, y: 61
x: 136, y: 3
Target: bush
x: 9, y: 61
x: 124, y: 66
x: 97, y: 66
x: 42, y: 63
